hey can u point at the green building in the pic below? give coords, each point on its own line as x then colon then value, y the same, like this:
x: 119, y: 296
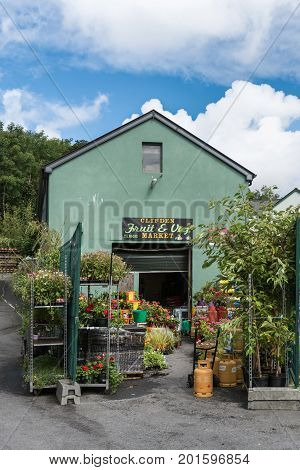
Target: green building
x: 132, y: 189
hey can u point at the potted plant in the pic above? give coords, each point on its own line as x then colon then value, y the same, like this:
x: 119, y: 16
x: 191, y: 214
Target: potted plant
x: 95, y: 266
x: 93, y: 311
x: 92, y: 371
x: 276, y: 333
x: 49, y: 286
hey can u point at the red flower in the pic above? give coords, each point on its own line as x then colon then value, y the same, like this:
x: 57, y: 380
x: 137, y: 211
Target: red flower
x: 99, y: 358
x: 85, y: 368
x: 105, y: 312
x: 95, y: 367
x: 111, y: 358
x: 100, y: 365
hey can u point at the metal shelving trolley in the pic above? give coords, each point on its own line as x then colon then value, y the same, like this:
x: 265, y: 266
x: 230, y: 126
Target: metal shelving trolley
x: 94, y: 340
x: 43, y: 337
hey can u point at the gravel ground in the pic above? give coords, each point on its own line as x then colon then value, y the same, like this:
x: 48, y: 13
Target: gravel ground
x: 154, y: 413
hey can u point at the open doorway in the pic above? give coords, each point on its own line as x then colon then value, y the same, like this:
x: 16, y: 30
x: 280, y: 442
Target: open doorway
x: 170, y: 289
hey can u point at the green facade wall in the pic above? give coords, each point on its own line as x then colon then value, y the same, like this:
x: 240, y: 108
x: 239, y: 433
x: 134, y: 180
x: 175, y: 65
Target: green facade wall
x: 107, y: 183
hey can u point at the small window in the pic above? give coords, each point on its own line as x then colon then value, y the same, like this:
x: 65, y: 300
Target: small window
x: 152, y: 158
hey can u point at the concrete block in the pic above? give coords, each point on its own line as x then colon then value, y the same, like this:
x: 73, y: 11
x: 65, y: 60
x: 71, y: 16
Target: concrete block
x: 274, y: 405
x: 69, y: 400
x: 273, y: 393
x: 274, y: 398
x: 68, y: 392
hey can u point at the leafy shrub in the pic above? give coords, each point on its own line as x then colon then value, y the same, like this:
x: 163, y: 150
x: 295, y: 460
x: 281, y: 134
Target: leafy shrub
x: 115, y: 378
x: 160, y: 339
x: 154, y: 360
x: 5, y: 242
x: 96, y: 266
x: 49, y: 242
x: 49, y: 286
x: 158, y: 316
x: 46, y: 371
x: 20, y: 229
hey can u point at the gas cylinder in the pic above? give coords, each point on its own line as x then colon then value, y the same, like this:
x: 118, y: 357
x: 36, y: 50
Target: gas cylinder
x: 203, y: 380
x: 238, y: 341
x: 239, y: 370
x: 222, y: 312
x: 227, y: 371
x: 212, y: 313
x: 216, y: 365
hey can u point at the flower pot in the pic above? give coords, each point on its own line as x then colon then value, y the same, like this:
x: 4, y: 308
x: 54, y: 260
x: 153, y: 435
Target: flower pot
x: 277, y: 381
x: 262, y: 381
x: 102, y: 322
x: 140, y: 316
x: 102, y: 379
x: 256, y: 381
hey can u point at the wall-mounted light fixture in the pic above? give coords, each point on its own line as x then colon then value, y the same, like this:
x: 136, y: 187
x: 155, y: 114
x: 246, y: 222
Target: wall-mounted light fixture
x: 153, y: 181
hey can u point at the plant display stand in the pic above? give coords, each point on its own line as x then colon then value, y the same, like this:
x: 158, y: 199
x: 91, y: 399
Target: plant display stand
x: 94, y: 340
x: 46, y: 337
x: 199, y: 350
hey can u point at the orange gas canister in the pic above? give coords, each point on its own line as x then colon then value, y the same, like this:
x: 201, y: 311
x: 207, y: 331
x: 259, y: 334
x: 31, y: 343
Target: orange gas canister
x: 227, y: 371
x: 238, y: 341
x: 212, y: 314
x: 216, y: 365
x: 203, y: 380
x: 222, y: 312
x: 239, y: 369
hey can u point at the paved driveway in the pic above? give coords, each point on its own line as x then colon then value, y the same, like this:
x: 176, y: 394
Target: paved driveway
x: 156, y: 413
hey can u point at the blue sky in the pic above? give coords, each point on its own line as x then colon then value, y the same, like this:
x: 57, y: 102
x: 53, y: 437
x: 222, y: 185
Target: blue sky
x: 195, y: 62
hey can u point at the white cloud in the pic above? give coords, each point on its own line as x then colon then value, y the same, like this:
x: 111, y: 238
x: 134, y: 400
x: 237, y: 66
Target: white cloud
x: 251, y: 125
x: 33, y: 112
x: 215, y: 39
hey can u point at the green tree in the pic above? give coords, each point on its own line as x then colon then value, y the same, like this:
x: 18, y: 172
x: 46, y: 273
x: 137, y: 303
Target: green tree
x: 22, y: 154
x: 251, y: 238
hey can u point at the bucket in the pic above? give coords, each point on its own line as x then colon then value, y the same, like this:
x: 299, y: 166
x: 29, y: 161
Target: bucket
x: 185, y: 327
x: 140, y: 316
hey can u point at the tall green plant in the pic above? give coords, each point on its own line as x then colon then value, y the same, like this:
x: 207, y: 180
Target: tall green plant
x: 250, y: 237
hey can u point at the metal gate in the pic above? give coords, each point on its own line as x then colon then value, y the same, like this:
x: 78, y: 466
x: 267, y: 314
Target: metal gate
x: 70, y: 254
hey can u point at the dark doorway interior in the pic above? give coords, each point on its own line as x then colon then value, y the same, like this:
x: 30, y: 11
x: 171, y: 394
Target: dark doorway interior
x: 170, y: 289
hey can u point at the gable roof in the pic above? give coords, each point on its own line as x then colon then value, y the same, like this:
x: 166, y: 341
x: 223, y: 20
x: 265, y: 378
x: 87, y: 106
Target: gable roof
x: 295, y: 190
x: 249, y: 175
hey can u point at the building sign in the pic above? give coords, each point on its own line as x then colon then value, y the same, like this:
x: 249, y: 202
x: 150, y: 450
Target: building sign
x: 156, y: 229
